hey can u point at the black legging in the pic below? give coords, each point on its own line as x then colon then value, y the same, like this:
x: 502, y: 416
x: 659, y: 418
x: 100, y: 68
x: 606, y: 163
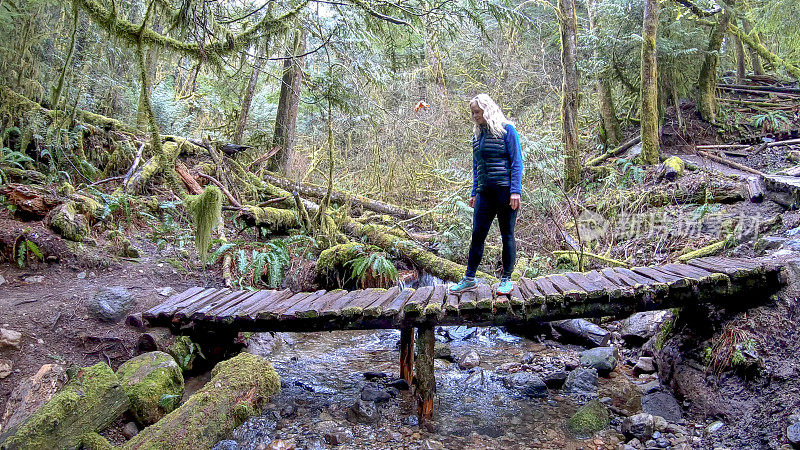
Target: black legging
x: 493, y: 201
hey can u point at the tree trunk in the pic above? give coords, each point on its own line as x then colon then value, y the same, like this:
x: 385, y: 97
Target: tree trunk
x: 57, y: 92
x: 238, y: 389
x: 758, y: 69
x: 569, y: 91
x: 741, y: 72
x: 649, y: 115
x: 151, y: 65
x: 289, y: 101
x: 755, y: 44
x: 608, y: 114
x: 707, y: 81
x: 251, y: 90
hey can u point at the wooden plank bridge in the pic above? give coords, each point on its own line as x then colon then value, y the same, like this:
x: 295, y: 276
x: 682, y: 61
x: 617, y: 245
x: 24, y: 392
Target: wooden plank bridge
x: 617, y: 292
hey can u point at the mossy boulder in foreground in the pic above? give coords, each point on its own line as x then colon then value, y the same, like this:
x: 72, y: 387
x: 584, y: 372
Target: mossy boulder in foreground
x: 590, y: 418
x: 237, y: 390
x: 67, y: 222
x: 89, y: 402
x: 154, y: 384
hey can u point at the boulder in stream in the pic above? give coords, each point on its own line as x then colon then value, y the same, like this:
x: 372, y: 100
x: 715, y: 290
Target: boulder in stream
x: 363, y: 412
x: 582, y: 331
x: 590, y: 418
x: 641, y: 326
x: 640, y: 426
x: 604, y: 359
x: 469, y: 360
x: 582, y: 382
x: 527, y: 383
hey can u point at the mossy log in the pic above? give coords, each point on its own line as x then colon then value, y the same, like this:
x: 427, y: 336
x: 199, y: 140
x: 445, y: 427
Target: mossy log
x: 275, y: 219
x: 671, y: 169
x: 32, y: 202
x: 431, y: 263
x: 89, y: 402
x: 68, y: 222
x: 714, y: 190
x: 154, y: 384
x: 332, y: 261
x: 237, y: 390
x: 338, y: 196
x: 708, y: 250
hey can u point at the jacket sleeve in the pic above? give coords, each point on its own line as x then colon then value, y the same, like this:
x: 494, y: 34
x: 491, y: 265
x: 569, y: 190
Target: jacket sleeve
x: 515, y: 154
x: 474, y: 176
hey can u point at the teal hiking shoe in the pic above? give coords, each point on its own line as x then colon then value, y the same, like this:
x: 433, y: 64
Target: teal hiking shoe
x: 463, y: 286
x: 505, y: 287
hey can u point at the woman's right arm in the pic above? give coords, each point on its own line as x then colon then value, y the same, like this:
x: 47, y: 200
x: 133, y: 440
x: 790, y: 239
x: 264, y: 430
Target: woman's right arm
x: 474, y: 181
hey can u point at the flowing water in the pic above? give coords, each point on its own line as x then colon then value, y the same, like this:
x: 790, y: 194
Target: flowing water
x: 322, y: 376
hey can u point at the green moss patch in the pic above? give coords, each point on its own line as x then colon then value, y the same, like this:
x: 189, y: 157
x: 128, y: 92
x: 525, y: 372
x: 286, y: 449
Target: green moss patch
x: 154, y: 384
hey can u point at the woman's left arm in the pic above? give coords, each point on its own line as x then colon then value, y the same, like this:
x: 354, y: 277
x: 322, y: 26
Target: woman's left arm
x: 515, y: 155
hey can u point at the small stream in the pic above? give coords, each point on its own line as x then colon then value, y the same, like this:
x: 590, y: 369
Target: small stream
x: 323, y: 374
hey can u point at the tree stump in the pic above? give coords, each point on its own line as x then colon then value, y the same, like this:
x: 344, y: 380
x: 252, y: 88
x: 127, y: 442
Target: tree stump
x: 424, y: 380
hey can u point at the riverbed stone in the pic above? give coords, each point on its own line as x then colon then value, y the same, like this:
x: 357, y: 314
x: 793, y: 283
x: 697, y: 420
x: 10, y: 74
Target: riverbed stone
x: 641, y: 326
x: 375, y: 394
x: 111, y: 304
x: 469, y: 360
x: 645, y: 364
x: 154, y: 384
x: 589, y: 419
x: 640, y: 426
x: 5, y: 367
x: 604, y: 359
x: 399, y: 384
x: 662, y: 403
x: 339, y: 436
x: 527, y: 383
x: 582, y: 382
x: 227, y: 444
x: 555, y: 380
x: 130, y: 430
x: 442, y: 350
x: 363, y: 412
x: 793, y: 434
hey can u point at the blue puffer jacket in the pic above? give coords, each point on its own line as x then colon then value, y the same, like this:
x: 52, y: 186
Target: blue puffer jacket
x: 497, y: 161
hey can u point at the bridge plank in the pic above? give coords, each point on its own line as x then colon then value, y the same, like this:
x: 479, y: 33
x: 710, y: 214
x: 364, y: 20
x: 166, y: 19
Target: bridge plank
x: 278, y: 303
x: 232, y: 296
x: 467, y: 301
x: 435, y: 306
x: 395, y: 306
x: 326, y: 300
x: 233, y: 313
x: 567, y: 287
x: 172, y: 301
x: 621, y: 279
x: 301, y: 300
x: 737, y: 262
x: 530, y: 292
x: 417, y: 301
x: 262, y: 300
x: 375, y: 309
x: 547, y: 287
x: 451, y: 304
x: 713, y: 266
x: 221, y: 312
x: 484, y: 297
x: 335, y: 307
x: 592, y: 289
x: 355, y: 307
x: 656, y: 275
x: 187, y: 311
x: 188, y: 301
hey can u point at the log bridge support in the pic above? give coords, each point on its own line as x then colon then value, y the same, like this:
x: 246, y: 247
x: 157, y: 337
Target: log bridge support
x: 218, y: 314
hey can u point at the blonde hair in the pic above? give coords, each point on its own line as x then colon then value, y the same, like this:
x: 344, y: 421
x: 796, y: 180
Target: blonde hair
x: 494, y: 117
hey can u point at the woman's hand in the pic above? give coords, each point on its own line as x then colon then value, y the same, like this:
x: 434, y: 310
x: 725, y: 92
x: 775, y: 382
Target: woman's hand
x: 514, y: 202
x: 472, y: 202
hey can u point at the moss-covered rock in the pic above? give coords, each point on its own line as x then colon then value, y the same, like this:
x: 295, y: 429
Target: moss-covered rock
x: 66, y: 221
x: 154, y: 384
x: 185, y: 352
x: 590, y: 418
x: 94, y: 441
x: 89, y: 402
x: 238, y: 389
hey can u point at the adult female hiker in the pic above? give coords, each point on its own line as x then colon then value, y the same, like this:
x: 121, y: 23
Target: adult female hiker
x: 496, y: 187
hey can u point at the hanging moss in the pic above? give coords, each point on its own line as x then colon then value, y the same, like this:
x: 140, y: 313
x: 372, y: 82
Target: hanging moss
x: 205, y: 210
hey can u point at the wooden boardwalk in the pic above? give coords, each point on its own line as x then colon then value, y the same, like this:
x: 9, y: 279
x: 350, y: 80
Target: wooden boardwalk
x: 608, y: 292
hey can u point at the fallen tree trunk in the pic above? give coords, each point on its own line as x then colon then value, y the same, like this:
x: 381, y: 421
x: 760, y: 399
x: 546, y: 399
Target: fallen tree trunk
x: 275, y: 219
x: 583, y: 331
x: 617, y: 151
x: 315, y: 191
x: 763, y: 52
x: 429, y: 262
x: 714, y: 190
x: 88, y: 403
x: 729, y: 163
x: 238, y: 389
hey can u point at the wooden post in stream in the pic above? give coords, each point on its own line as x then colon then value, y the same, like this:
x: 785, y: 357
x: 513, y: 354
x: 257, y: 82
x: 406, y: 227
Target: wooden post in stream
x: 424, y: 381
x: 407, y: 354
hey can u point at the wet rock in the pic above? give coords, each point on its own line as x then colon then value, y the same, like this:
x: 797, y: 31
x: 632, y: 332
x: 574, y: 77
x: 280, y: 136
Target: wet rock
x: 589, y: 419
x: 582, y: 382
x: 375, y: 375
x: 622, y: 392
x: 399, y: 384
x: 431, y: 444
x: 442, y: 351
x: 643, y: 325
x: 640, y: 426
x: 130, y: 430
x: 604, y: 359
x: 339, y: 436
x: 5, y: 367
x: 662, y: 403
x: 793, y: 434
x: 714, y: 427
x: 555, y: 380
x: 363, y: 412
x: 374, y: 394
x: 469, y: 360
x: 649, y: 387
x: 111, y: 304
x: 10, y: 338
x: 166, y: 291
x: 582, y: 331
x: 528, y: 383
x: 644, y: 365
